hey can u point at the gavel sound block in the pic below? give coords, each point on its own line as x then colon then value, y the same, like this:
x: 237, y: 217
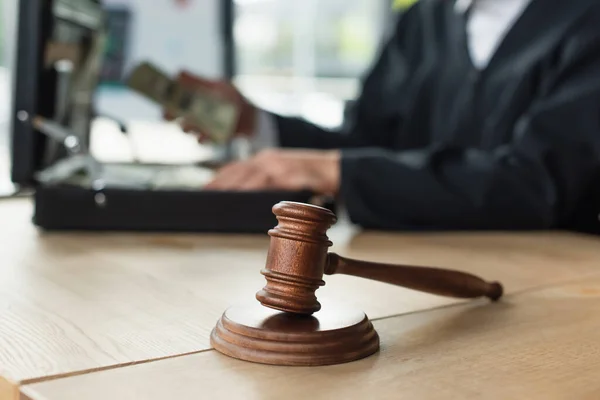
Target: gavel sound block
x: 288, y: 327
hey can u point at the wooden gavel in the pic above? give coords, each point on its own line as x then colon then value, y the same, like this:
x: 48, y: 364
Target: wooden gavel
x: 298, y: 258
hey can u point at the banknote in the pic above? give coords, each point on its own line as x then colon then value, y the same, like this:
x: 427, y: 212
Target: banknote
x: 201, y: 108
x: 150, y: 82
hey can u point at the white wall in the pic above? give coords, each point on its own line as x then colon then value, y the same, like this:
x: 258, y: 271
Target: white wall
x: 8, y: 12
x: 173, y: 37
x: 176, y: 37
x: 8, y: 26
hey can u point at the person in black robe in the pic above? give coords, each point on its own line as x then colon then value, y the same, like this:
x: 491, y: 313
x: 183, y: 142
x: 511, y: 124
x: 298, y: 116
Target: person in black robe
x: 433, y: 142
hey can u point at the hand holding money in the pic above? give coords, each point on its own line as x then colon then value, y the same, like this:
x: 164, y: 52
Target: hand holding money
x: 225, y: 90
x: 214, y: 110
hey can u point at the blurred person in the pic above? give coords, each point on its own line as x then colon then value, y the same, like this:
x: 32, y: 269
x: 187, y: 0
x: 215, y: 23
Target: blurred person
x: 479, y: 114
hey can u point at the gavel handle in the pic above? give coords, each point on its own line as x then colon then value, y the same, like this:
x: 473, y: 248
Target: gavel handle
x: 438, y: 281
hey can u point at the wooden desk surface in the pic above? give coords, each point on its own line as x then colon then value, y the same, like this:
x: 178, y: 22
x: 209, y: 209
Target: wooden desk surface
x: 536, y: 345
x: 76, y: 303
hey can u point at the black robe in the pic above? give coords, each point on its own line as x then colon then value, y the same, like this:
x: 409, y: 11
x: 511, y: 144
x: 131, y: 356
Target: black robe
x: 434, y: 143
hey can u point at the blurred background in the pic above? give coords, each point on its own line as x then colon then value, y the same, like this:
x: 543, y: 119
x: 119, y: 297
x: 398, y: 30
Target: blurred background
x: 300, y: 58
x: 7, y: 47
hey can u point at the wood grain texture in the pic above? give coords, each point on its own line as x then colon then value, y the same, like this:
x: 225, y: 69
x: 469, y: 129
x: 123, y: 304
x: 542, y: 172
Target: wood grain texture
x: 438, y: 281
x: 296, y: 257
x: 77, y: 302
x: 536, y: 345
x: 263, y: 335
x: 8, y: 390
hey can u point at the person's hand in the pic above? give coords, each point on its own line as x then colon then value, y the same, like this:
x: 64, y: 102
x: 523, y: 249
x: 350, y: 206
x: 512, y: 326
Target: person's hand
x: 293, y: 170
x: 226, y: 90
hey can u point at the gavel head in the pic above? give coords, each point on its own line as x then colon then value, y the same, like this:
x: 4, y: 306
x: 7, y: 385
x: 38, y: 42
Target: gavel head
x: 296, y: 258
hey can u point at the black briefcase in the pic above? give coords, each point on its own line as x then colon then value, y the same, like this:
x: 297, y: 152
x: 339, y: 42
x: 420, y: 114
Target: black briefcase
x: 64, y: 207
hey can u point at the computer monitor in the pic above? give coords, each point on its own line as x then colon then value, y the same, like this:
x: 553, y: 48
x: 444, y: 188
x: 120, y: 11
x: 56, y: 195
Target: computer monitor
x: 59, y: 54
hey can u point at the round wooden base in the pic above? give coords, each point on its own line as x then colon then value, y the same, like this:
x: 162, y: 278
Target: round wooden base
x: 263, y: 335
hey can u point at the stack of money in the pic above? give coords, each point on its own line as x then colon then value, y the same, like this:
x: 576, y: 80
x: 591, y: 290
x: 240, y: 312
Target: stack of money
x: 212, y: 115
